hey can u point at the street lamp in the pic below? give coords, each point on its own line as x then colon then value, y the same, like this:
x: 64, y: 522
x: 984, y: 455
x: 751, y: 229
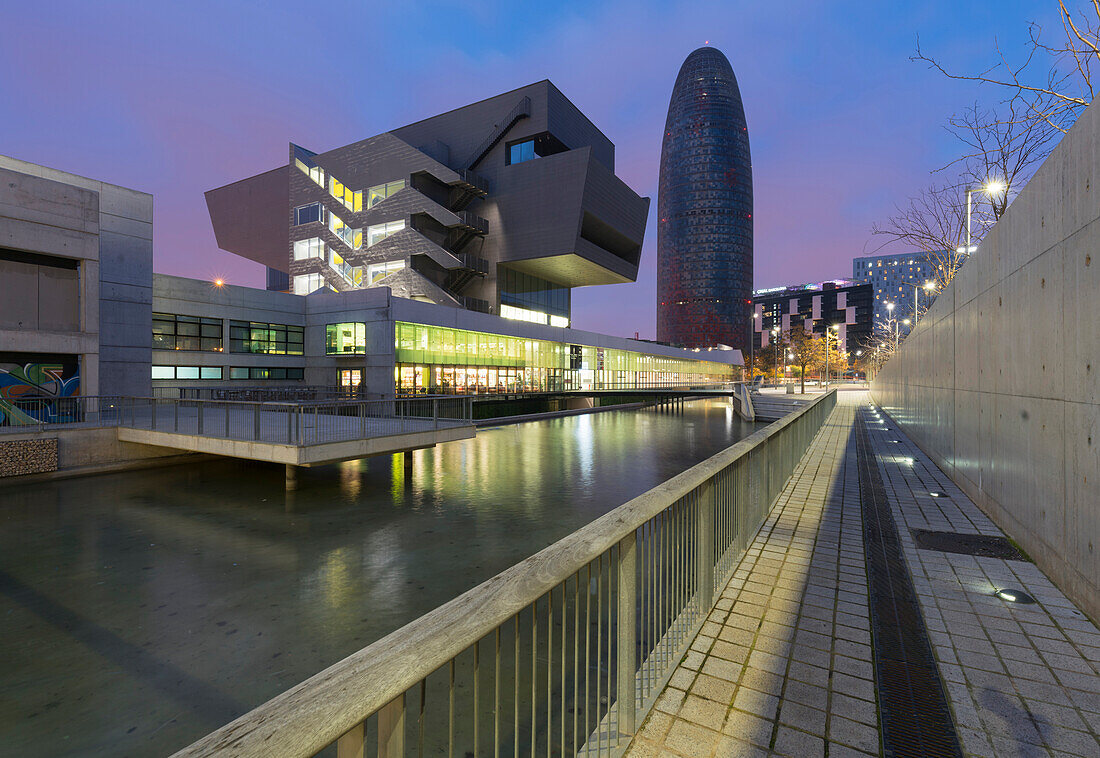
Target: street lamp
x: 752, y: 340
x: 928, y: 286
x: 775, y: 339
x: 991, y: 187
x: 827, y: 338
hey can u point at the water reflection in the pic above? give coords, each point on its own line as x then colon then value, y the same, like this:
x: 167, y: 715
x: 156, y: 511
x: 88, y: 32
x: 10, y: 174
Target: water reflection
x: 139, y: 611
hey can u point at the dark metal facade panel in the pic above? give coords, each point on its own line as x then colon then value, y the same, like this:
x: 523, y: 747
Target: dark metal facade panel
x: 250, y: 217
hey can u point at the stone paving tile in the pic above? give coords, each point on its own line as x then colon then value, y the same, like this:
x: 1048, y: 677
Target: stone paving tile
x: 784, y: 666
x: 1018, y: 677
x: 795, y: 617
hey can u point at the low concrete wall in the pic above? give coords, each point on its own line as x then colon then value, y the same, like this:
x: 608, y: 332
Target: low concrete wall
x: 89, y: 451
x: 1000, y: 381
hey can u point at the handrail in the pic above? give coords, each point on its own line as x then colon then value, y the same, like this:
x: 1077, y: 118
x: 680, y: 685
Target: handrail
x: 315, y: 713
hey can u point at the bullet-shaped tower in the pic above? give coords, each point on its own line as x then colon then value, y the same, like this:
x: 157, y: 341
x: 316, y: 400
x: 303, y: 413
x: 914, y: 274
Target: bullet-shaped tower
x: 704, y: 210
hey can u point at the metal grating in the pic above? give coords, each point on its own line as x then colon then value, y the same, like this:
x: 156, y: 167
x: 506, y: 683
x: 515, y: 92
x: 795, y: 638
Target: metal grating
x: 966, y: 544
x: 915, y: 717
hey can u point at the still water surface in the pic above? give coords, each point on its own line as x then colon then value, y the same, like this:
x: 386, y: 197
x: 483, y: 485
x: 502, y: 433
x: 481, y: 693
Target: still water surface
x: 140, y: 611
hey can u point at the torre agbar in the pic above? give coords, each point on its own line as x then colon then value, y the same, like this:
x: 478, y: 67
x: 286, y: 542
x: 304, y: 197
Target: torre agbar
x: 437, y: 257
x: 704, y: 210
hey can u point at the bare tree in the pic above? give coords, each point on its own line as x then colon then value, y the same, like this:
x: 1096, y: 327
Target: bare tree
x: 1005, y: 144
x: 1055, y: 79
x: 933, y: 223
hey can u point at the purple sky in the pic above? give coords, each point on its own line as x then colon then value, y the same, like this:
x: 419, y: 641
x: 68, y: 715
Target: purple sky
x: 177, y: 98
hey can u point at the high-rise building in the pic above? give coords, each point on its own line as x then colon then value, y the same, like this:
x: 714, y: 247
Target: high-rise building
x: 893, y: 279
x: 704, y: 210
x: 501, y: 206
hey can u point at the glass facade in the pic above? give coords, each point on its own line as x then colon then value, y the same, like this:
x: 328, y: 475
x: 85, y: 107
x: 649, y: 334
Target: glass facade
x: 532, y: 293
x: 441, y: 360
x: 266, y: 339
x: 346, y: 339
x: 172, y: 332
x: 704, y: 210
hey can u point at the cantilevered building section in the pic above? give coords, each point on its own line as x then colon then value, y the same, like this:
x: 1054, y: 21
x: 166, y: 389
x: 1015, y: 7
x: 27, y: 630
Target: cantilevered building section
x: 502, y: 206
x: 704, y: 210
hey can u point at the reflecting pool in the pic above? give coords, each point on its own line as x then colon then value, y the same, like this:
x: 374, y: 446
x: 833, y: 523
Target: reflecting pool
x: 139, y: 611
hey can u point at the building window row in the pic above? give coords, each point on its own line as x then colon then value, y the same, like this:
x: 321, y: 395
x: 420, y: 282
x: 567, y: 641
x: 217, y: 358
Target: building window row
x: 172, y: 332
x: 216, y: 373
x: 266, y: 339
x: 187, y: 372
x: 277, y: 372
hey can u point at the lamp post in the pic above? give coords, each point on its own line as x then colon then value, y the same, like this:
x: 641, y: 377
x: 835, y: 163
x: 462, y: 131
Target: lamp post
x: 775, y: 339
x: 752, y: 340
x: 828, y: 337
x: 928, y: 286
x: 890, y: 320
x: 991, y: 187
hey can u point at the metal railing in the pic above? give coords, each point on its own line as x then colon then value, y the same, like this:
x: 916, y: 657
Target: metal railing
x: 305, y: 423
x: 35, y: 414
x: 562, y: 654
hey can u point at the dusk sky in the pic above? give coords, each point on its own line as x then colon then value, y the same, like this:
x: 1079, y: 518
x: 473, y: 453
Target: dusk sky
x: 178, y: 98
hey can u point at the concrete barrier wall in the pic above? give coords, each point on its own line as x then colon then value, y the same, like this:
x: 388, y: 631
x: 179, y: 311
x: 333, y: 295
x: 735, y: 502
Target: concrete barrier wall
x: 999, y: 382
x: 83, y: 450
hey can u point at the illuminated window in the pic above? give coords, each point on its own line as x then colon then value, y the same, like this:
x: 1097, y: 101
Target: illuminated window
x: 316, y: 173
x: 377, y: 271
x: 310, y: 248
x: 353, y: 201
x: 378, y: 232
x: 346, y: 339
x: 265, y: 339
x: 377, y: 194
x: 353, y: 238
x: 307, y: 283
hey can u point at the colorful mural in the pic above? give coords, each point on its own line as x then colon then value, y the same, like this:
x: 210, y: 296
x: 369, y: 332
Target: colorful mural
x: 33, y: 392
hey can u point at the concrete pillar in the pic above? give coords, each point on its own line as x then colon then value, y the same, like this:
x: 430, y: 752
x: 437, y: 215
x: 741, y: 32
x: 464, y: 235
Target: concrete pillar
x: 291, y: 477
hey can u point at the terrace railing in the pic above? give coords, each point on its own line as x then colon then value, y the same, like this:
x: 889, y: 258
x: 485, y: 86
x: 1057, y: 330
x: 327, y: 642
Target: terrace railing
x: 561, y: 654
x: 305, y: 423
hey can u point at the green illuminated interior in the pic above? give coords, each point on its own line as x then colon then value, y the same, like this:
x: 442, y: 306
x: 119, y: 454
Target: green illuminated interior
x: 433, y: 359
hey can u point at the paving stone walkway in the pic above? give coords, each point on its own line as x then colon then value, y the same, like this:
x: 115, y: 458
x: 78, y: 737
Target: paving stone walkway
x: 784, y: 664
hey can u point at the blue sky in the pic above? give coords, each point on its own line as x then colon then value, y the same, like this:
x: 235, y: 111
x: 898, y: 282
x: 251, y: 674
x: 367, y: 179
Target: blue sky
x: 177, y: 98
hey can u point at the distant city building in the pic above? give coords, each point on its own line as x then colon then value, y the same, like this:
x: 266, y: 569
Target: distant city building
x: 841, y: 302
x: 892, y: 278
x: 501, y: 206
x: 704, y: 210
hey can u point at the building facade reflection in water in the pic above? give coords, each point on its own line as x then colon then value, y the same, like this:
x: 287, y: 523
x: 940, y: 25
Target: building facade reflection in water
x: 140, y: 611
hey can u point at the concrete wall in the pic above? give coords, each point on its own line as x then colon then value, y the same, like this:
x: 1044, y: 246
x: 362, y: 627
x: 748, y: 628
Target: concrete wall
x: 94, y: 450
x: 125, y: 286
x: 42, y: 216
x: 1000, y: 381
